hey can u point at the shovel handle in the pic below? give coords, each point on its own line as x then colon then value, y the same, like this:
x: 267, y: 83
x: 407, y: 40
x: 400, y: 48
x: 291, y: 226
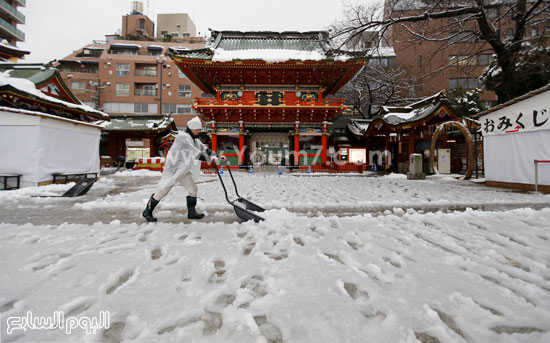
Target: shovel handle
x: 221, y: 180
x: 232, y: 179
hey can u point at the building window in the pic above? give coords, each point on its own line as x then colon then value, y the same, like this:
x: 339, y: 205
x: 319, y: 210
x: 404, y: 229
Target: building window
x: 470, y: 60
x: 376, y: 61
x: 484, y: 60
x: 145, y: 108
x: 117, y: 107
x: 127, y: 52
x: 122, y: 89
x: 123, y: 69
x: 176, y: 108
x: 71, y: 69
x: 78, y: 87
x: 462, y: 37
x: 184, y: 91
x: 464, y: 83
x: 142, y: 24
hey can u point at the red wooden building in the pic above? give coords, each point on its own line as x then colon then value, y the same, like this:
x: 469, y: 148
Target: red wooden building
x: 269, y: 97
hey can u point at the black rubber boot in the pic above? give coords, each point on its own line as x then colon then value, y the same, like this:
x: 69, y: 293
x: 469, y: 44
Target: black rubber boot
x: 191, y: 212
x: 148, y: 213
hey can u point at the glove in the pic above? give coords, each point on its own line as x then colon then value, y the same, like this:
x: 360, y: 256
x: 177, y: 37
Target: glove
x: 214, y: 159
x: 223, y: 158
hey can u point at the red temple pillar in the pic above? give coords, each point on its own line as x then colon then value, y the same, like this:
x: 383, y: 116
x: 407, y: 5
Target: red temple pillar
x: 324, y: 143
x: 214, y: 137
x: 296, y: 144
x: 241, y: 143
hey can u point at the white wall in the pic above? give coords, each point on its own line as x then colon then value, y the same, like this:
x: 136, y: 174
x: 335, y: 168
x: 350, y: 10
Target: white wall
x: 37, y: 147
x: 510, y: 158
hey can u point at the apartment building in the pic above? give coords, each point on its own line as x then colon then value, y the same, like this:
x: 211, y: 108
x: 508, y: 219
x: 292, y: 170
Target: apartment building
x: 436, y: 66
x: 131, y: 77
x: 175, y: 25
x: 10, y: 17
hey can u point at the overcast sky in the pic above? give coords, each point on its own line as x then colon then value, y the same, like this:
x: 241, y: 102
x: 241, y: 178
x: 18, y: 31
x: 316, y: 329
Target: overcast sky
x: 55, y: 28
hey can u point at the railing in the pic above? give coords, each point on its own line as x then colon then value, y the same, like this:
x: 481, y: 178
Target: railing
x: 14, y: 12
x: 145, y: 92
x: 537, y: 173
x: 145, y: 72
x: 12, y: 29
x: 341, y: 168
x: 22, y: 2
x: 321, y: 103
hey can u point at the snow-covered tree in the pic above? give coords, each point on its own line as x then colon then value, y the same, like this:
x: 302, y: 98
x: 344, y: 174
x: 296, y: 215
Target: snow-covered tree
x: 466, y: 103
x: 501, y: 27
x: 378, y: 84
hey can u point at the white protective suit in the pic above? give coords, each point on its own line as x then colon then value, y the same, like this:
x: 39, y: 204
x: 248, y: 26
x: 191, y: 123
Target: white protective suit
x: 182, y: 165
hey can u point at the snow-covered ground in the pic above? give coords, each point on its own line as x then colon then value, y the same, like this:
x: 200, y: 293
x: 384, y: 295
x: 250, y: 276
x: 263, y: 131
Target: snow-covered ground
x: 338, y: 259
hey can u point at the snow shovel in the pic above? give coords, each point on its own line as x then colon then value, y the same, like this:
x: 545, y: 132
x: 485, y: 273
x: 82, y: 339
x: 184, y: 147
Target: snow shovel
x: 81, y: 188
x: 249, y: 205
x: 245, y: 212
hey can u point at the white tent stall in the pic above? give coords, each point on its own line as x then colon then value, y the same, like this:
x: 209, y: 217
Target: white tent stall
x: 37, y: 145
x: 516, y: 134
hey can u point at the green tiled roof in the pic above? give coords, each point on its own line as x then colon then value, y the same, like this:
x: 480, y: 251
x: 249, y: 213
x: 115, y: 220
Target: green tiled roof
x: 35, y: 74
x: 140, y: 123
x: 269, y: 43
x: 238, y: 41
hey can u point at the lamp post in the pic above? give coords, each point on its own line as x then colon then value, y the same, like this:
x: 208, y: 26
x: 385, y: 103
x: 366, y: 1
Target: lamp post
x: 160, y: 61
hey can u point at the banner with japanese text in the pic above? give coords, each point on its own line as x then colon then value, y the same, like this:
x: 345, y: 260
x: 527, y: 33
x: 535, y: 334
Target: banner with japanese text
x: 528, y: 115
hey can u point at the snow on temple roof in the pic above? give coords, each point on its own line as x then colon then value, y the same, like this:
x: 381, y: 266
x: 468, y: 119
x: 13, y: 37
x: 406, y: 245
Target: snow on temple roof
x: 359, y: 126
x: 225, y: 46
x: 268, y: 55
x: 27, y: 86
x: 139, y: 123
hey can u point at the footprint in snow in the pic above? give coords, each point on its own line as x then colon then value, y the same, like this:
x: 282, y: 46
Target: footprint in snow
x: 271, y: 332
x: 156, y: 253
x: 212, y: 323
x: 255, y: 287
x: 249, y: 248
x: 299, y: 241
x: 121, y: 281
x: 114, y: 333
x: 218, y: 276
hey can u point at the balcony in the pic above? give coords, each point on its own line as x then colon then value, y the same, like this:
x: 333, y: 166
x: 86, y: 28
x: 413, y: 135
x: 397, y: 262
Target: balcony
x: 7, y: 9
x: 146, y: 70
x: 22, y: 2
x: 11, y: 30
x: 145, y: 90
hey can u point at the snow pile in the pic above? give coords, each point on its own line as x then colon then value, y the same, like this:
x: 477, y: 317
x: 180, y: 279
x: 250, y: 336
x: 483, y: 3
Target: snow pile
x: 404, y: 277
x: 139, y: 173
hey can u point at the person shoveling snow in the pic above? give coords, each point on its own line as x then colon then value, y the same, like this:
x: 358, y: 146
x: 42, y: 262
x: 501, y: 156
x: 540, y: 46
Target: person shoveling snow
x: 183, y: 167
